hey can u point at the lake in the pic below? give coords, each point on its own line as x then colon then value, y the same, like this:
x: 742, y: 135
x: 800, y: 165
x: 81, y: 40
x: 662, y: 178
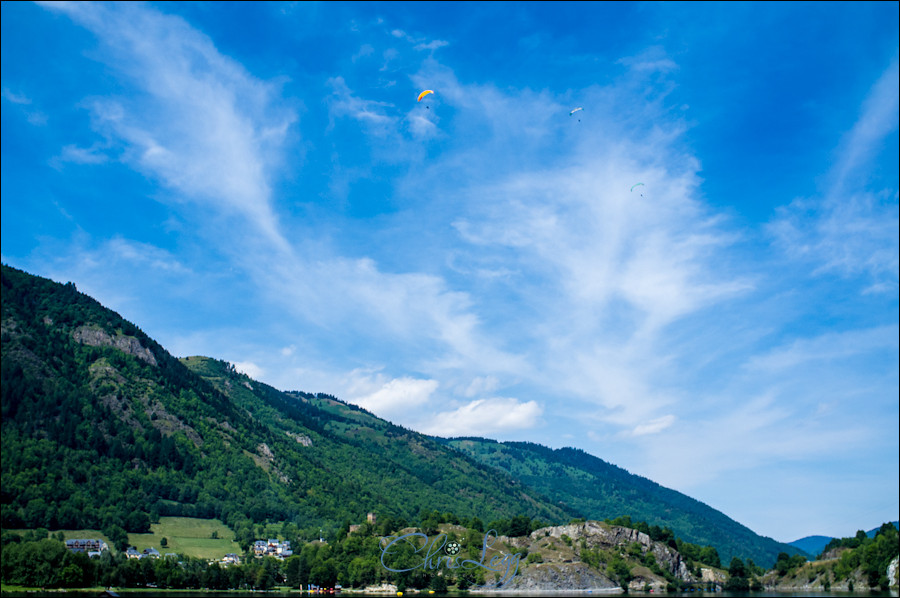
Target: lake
x: 561, y: 594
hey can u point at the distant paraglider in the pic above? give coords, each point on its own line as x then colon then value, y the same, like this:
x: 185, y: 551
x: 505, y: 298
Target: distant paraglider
x: 638, y: 185
x: 571, y: 112
x: 422, y: 95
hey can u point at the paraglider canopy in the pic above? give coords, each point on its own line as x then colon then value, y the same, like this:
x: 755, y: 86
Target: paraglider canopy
x: 423, y: 94
x: 637, y: 185
x: 571, y: 112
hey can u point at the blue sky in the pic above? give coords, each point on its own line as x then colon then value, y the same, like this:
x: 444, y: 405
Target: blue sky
x: 256, y: 182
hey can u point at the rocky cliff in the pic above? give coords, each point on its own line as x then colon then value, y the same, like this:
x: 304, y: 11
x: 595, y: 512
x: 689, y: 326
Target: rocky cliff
x: 584, y: 556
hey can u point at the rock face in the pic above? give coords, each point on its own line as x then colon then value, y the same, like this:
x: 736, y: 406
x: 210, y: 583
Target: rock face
x: 712, y: 576
x: 557, y: 576
x: 97, y: 337
x: 554, y: 559
x: 599, y: 535
x: 893, y: 573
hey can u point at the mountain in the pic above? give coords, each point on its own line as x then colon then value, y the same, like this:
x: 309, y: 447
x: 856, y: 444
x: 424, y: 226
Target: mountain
x: 814, y: 545
x: 103, y: 429
x: 811, y: 545
x: 596, y: 489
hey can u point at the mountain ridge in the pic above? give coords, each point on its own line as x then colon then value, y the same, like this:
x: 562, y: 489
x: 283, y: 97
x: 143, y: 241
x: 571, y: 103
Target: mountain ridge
x: 600, y: 490
x: 90, y: 400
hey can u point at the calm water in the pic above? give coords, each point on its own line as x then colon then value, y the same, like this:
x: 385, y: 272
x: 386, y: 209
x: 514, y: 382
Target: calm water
x: 425, y: 594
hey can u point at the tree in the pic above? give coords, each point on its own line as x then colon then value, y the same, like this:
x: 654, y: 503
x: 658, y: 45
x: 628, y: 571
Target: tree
x: 439, y: 584
x: 324, y: 574
x: 710, y: 556
x: 117, y: 535
x: 737, y: 568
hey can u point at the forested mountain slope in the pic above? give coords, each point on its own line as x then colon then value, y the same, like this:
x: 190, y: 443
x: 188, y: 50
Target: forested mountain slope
x: 596, y: 489
x: 103, y: 428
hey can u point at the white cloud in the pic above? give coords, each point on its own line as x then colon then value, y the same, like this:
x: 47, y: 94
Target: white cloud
x: 483, y: 417
x: 655, y: 426
x: 385, y: 396
x: 251, y: 369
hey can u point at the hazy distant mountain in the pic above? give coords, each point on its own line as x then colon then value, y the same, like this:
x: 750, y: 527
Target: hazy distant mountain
x: 813, y: 545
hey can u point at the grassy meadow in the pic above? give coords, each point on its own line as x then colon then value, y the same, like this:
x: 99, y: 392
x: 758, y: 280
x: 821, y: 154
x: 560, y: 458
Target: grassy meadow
x: 188, y: 536
x: 184, y: 535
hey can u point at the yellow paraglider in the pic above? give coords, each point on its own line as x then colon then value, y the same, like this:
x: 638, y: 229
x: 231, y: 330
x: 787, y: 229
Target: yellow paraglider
x: 423, y: 94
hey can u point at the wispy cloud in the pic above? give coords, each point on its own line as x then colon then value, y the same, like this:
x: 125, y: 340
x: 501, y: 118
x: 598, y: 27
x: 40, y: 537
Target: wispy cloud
x: 852, y: 230
x: 828, y: 348
x: 83, y: 155
x: 15, y: 98
x: 655, y: 426
x: 34, y: 117
x: 202, y: 125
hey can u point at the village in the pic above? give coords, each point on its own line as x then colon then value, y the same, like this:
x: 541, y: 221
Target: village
x: 94, y: 548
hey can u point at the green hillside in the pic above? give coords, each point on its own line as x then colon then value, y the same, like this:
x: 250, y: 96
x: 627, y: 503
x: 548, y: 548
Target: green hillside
x: 596, y: 489
x: 104, y: 429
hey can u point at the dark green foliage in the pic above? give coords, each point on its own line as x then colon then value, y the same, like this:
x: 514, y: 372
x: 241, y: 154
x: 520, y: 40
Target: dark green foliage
x: 737, y: 584
x: 739, y: 580
x: 786, y: 564
x: 518, y: 526
x: 596, y: 489
x: 737, y: 568
x: 869, y: 555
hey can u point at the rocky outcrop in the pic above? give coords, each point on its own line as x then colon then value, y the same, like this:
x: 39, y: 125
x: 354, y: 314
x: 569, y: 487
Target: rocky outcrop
x: 552, y: 560
x: 301, y: 438
x: 712, y: 576
x: 893, y: 572
x: 548, y: 577
x: 600, y: 535
x: 97, y: 337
